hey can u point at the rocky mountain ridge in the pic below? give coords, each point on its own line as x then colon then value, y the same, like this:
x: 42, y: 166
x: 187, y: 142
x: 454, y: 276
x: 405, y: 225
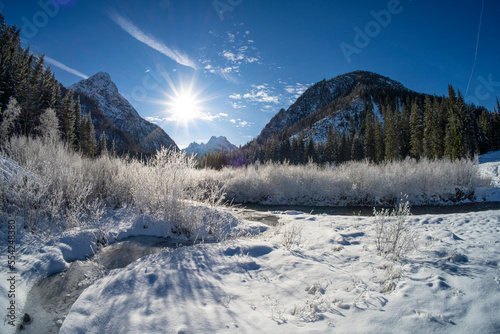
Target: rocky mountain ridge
x: 116, y: 116
x: 214, y: 145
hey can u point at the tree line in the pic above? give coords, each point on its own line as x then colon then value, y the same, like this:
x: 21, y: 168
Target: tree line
x: 415, y: 126
x: 34, y: 104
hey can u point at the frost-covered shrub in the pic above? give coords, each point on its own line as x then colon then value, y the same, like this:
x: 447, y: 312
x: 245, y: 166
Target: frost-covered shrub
x: 65, y: 190
x: 394, y: 235
x: 54, y: 188
x: 352, y: 183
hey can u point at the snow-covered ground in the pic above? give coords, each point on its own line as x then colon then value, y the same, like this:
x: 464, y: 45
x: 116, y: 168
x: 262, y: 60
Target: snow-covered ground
x: 311, y: 274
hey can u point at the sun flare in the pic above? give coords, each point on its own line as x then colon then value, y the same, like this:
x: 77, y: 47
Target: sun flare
x: 185, y: 108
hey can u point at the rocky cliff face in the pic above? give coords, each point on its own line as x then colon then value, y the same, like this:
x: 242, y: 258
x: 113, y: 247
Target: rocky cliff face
x: 311, y: 105
x: 127, y: 127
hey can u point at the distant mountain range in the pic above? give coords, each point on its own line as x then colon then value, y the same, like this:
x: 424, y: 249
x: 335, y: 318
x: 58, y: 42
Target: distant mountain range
x: 214, y: 145
x: 114, y: 115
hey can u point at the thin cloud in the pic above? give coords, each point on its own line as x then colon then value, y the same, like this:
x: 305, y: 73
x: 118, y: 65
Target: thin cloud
x: 239, y: 123
x: 151, y: 41
x: 64, y: 67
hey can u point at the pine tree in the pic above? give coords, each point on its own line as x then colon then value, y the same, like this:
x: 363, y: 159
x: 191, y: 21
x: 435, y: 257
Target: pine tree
x: 417, y: 133
x: 453, y: 139
x: 112, y: 152
x: 103, y: 145
x: 429, y: 125
x: 299, y: 151
x: 438, y: 132
x: 369, y: 138
x: 403, y: 130
x: 88, y: 139
x: 78, y: 117
x: 67, y: 118
x: 391, y: 137
x: 379, y: 142
x: 357, y: 151
x: 311, y: 153
x: 470, y: 126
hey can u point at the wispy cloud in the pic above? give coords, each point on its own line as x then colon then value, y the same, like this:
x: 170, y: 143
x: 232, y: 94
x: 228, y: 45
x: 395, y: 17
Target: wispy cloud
x: 258, y: 93
x: 239, y: 123
x: 64, y: 67
x: 151, y: 41
x: 268, y: 97
x: 235, y: 53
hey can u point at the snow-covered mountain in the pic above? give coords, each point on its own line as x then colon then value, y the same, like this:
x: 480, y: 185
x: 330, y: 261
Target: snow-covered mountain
x: 123, y: 124
x: 331, y: 102
x: 214, y: 145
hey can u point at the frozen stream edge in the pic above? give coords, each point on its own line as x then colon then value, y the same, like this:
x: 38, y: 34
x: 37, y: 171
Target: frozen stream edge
x: 51, y: 298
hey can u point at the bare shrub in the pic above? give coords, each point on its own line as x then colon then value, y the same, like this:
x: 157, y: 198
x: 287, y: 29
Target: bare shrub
x: 394, y: 236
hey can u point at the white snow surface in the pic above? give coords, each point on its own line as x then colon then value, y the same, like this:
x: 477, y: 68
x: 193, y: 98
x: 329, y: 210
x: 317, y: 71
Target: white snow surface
x: 311, y: 274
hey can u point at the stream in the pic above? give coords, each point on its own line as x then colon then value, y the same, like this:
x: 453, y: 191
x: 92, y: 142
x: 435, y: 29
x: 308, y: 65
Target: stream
x: 50, y: 299
x: 368, y: 210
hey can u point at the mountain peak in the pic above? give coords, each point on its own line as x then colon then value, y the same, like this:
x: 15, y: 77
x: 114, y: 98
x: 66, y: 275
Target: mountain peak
x: 325, y: 92
x: 145, y: 136
x: 100, y: 81
x: 214, y: 145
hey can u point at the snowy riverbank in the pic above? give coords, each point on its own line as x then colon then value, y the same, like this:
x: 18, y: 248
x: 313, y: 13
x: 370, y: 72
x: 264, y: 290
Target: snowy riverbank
x: 312, y: 273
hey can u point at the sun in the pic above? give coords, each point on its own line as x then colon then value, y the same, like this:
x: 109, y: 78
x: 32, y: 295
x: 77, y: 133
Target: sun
x: 185, y: 108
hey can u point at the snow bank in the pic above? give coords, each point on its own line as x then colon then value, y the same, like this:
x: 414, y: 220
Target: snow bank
x: 331, y: 281
x: 40, y: 256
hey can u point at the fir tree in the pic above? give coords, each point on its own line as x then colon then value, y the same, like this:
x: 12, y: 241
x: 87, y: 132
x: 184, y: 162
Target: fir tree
x: 379, y: 142
x: 403, y: 130
x: 391, y: 137
x: 429, y: 125
x: 67, y: 118
x: 369, y: 138
x: 88, y: 139
x: 78, y: 118
x: 453, y: 139
x: 112, y: 152
x: 417, y: 133
x: 103, y: 145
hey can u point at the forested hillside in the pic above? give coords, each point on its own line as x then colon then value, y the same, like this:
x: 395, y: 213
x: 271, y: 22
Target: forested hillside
x: 374, y: 118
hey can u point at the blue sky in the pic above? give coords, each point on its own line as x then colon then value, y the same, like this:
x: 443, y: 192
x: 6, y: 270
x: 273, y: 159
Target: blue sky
x: 226, y: 67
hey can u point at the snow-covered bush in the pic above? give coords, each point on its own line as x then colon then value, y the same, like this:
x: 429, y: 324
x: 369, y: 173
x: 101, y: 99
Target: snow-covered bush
x: 394, y: 235
x: 54, y: 187
x: 65, y: 190
x: 352, y: 183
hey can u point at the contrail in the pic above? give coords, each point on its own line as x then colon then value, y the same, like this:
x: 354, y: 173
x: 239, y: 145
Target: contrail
x: 64, y: 67
x: 477, y: 47
x: 151, y: 41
